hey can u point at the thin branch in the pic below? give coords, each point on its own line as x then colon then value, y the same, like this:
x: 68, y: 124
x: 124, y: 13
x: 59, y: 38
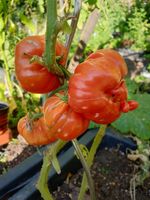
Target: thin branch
x: 77, y: 8
x: 86, y: 169
x: 97, y: 140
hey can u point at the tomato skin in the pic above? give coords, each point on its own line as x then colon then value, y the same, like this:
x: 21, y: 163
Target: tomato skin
x: 36, y: 135
x: 34, y: 77
x: 63, y: 122
x: 97, y: 89
x: 114, y: 56
x: 133, y: 105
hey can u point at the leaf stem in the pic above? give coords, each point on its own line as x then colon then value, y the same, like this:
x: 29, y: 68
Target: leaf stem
x: 86, y: 168
x: 42, y: 184
x: 97, y: 140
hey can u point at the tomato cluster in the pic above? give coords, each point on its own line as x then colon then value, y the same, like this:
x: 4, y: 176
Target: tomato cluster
x: 96, y: 91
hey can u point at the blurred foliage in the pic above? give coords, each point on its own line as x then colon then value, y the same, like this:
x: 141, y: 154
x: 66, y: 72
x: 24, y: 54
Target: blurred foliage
x: 137, y: 121
x: 17, y: 19
x: 121, y: 24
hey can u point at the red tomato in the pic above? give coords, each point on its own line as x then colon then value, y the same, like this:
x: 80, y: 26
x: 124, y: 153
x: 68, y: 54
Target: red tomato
x: 35, y: 134
x: 97, y: 88
x: 133, y: 105
x: 114, y: 56
x: 34, y: 77
x: 63, y: 122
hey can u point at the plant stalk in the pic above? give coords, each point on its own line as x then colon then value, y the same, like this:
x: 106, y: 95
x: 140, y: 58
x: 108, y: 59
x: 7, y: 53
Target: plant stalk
x: 97, y: 140
x: 53, y: 27
x: 86, y: 168
x: 51, y: 24
x: 42, y: 184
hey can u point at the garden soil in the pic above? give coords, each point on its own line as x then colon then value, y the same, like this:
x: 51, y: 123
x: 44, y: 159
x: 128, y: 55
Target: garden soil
x: 112, y: 173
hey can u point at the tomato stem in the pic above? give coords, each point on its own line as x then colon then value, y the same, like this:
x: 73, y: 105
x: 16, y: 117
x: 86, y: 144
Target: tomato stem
x: 86, y: 169
x: 97, y: 140
x: 52, y: 30
x: 53, y: 27
x: 50, y: 33
x: 61, y: 88
x: 42, y: 184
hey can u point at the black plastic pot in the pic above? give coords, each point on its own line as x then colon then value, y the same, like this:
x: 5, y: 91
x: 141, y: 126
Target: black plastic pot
x: 68, y: 163
x: 5, y: 133
x: 3, y: 115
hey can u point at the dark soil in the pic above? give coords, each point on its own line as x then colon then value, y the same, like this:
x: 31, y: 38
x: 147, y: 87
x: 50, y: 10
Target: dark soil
x: 112, y: 173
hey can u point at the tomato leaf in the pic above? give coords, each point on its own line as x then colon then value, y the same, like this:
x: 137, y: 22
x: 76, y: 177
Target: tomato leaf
x: 93, y: 125
x: 137, y: 121
x: 1, y: 23
x: 91, y: 2
x: 56, y: 164
x: 66, y: 28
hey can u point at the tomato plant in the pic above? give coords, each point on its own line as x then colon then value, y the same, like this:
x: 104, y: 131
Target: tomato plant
x: 63, y: 122
x: 35, y: 132
x: 32, y: 76
x: 97, y: 89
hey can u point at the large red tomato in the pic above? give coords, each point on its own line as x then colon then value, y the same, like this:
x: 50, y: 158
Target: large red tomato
x: 34, y: 77
x: 36, y: 133
x: 62, y: 121
x: 97, y: 89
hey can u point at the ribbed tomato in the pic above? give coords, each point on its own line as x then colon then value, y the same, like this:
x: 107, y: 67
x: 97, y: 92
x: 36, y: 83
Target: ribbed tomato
x: 63, y: 122
x: 36, y: 133
x: 97, y: 89
x: 34, y: 77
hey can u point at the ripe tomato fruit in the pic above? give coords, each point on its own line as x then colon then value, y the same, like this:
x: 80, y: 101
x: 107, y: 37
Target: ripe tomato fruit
x: 33, y: 77
x: 36, y: 133
x: 62, y: 121
x: 97, y: 89
x: 111, y: 55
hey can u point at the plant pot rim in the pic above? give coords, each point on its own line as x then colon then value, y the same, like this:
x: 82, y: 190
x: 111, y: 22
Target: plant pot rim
x: 3, y: 105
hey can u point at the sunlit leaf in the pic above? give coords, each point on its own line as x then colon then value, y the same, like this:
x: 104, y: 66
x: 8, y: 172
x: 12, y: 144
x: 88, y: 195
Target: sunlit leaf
x: 136, y: 122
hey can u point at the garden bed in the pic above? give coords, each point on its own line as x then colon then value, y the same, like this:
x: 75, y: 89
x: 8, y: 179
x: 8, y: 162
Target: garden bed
x: 112, y: 173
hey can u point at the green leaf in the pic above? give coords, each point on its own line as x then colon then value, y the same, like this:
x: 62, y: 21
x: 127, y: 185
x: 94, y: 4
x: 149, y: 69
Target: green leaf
x: 136, y: 122
x: 93, y: 125
x: 41, y: 5
x: 91, y: 2
x: 56, y: 164
x: 132, y: 86
x: 1, y: 23
x: 66, y: 28
x: 84, y: 150
x: 27, y: 22
x: 2, y: 38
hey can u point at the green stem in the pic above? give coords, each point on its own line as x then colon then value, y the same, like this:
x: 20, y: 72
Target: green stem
x: 51, y: 25
x: 86, y: 168
x: 61, y: 88
x: 97, y: 140
x: 42, y: 184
